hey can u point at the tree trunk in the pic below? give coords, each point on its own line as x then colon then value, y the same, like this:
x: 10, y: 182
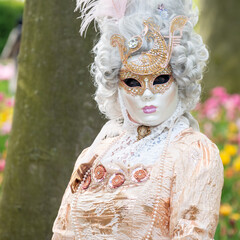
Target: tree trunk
x: 54, y: 119
x: 219, y: 24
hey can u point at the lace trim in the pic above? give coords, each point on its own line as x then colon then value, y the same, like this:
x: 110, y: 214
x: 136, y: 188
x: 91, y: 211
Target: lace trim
x: 130, y: 152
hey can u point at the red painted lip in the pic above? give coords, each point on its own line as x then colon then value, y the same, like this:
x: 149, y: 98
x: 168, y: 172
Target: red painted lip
x: 149, y: 109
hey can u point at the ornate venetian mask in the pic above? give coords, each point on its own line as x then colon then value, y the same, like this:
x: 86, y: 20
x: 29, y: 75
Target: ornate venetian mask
x: 146, y: 85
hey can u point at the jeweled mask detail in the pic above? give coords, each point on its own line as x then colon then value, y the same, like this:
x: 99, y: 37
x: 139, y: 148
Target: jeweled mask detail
x: 156, y: 59
x: 136, y: 84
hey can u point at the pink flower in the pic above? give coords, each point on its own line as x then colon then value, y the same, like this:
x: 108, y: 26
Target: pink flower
x: 232, y: 104
x: 211, y: 108
x: 6, y: 128
x: 2, y: 164
x: 235, y: 99
x: 10, y: 102
x: 219, y: 92
x: 6, y: 71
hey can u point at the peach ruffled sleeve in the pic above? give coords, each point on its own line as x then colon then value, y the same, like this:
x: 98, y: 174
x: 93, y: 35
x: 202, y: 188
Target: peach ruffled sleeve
x: 196, y: 190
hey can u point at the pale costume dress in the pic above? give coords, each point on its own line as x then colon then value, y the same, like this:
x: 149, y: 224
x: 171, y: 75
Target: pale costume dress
x: 164, y: 186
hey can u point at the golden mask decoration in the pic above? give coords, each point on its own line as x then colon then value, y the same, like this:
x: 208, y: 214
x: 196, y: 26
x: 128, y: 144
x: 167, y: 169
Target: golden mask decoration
x: 156, y: 59
x: 136, y: 84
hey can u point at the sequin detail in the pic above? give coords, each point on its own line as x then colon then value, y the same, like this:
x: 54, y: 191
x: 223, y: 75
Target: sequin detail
x: 133, y: 43
x: 140, y: 175
x: 87, y: 182
x: 100, y: 173
x: 116, y: 180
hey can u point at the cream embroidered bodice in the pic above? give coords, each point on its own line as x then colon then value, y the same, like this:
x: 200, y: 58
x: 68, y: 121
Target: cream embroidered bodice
x: 119, y: 203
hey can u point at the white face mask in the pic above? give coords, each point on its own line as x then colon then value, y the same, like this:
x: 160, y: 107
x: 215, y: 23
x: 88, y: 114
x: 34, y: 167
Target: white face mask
x: 151, y: 102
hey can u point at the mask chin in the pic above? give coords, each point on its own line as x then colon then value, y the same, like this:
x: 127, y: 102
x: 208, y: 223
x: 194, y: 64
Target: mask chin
x: 151, y: 112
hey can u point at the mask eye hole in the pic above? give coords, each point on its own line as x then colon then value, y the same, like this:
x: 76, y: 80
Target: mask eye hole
x: 131, y: 82
x: 161, y: 79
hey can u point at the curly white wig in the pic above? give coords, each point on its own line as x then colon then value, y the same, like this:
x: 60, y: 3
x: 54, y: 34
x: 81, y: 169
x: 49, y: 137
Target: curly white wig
x: 188, y: 59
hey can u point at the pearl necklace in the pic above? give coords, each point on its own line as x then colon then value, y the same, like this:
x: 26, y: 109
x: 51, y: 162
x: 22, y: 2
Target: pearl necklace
x: 160, y: 166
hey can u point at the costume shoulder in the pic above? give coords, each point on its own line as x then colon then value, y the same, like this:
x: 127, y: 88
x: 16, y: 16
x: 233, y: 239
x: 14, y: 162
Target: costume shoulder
x: 193, y: 148
x: 189, y: 137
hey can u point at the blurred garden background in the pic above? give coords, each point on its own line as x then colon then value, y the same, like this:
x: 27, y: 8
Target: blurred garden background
x: 55, y: 116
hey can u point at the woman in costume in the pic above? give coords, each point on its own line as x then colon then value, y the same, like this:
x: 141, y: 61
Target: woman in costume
x: 150, y: 174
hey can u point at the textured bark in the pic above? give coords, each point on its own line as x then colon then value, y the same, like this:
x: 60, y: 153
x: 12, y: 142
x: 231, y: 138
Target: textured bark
x: 219, y: 24
x: 55, y: 118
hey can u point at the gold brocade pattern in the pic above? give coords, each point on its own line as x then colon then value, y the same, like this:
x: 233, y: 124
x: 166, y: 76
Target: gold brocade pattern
x: 188, y: 207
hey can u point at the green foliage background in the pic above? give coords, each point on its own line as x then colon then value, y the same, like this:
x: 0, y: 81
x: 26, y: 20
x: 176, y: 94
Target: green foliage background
x: 10, y: 12
x: 219, y: 26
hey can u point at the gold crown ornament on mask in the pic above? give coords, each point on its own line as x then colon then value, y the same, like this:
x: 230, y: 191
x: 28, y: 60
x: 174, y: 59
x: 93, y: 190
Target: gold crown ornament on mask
x: 157, y: 59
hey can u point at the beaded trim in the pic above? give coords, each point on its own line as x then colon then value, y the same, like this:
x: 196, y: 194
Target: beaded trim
x: 116, y: 180
x: 140, y: 175
x: 86, y: 182
x: 100, y: 173
x: 160, y: 167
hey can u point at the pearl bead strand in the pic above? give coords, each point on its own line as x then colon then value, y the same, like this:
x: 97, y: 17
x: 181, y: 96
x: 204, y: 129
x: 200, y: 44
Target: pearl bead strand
x: 159, y: 189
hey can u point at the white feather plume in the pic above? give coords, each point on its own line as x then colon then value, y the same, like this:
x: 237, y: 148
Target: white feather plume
x: 92, y: 10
